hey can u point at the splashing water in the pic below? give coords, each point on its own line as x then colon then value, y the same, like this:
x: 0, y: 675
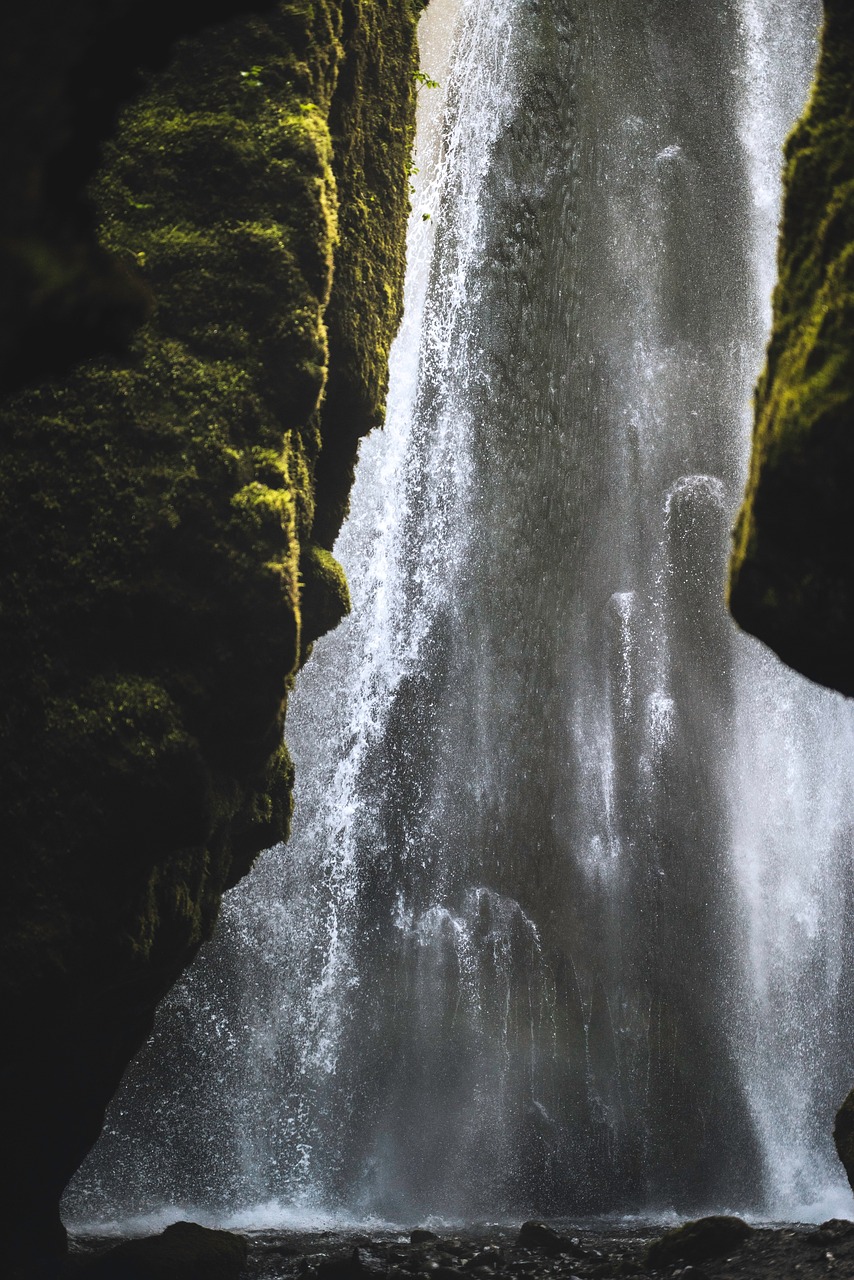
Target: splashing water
x: 564, y: 925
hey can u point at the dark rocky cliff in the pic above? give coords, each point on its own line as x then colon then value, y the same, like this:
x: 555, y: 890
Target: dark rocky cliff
x: 792, y: 572
x: 792, y: 578
x: 165, y: 511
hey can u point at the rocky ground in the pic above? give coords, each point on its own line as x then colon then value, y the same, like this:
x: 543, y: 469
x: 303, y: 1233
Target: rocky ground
x: 712, y: 1249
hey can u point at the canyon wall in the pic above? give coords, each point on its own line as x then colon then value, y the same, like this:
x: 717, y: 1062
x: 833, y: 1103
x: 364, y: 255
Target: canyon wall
x: 792, y: 571
x: 792, y: 582
x: 168, y: 505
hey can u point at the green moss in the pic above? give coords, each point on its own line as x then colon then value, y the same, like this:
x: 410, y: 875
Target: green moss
x: 368, y: 143
x: 792, y: 581
x: 325, y: 595
x: 169, y: 517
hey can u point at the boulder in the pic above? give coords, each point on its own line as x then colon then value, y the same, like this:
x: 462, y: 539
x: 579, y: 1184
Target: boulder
x: 698, y: 1241
x: 832, y: 1231
x: 343, y: 1266
x: 540, y: 1236
x: 185, y: 1251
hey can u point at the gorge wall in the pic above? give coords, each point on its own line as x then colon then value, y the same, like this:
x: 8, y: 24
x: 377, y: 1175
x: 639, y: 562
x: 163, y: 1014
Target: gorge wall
x: 65, y: 68
x: 168, y: 511
x: 792, y: 581
x: 792, y: 571
x: 169, y: 515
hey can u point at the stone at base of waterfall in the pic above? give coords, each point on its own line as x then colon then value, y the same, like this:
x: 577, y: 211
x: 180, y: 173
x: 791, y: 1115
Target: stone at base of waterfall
x: 833, y: 1231
x: 544, y: 1239
x: 421, y: 1236
x: 843, y: 1135
x: 185, y: 1251
x: 356, y: 1264
x: 697, y: 1242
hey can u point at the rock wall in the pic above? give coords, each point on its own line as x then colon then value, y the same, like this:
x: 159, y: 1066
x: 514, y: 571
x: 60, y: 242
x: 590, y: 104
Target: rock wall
x: 792, y: 579
x: 792, y: 571
x: 65, y: 67
x: 843, y: 1134
x: 168, y: 515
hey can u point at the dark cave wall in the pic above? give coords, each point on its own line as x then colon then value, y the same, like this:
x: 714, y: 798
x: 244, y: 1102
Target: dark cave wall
x: 167, y: 518
x: 792, y: 573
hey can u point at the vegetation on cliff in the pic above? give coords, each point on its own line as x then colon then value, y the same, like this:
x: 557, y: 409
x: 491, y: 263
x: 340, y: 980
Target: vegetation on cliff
x: 169, y: 526
x: 792, y: 581
x: 65, y: 67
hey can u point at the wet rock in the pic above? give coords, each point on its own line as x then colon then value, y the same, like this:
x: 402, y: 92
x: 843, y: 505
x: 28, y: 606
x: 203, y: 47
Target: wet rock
x: 159, y: 663
x: 698, y: 1241
x: 354, y: 1265
x: 843, y: 1135
x: 487, y: 1259
x: 831, y: 1232
x: 628, y: 1267
x: 421, y: 1236
x: 185, y: 1251
x: 537, y: 1235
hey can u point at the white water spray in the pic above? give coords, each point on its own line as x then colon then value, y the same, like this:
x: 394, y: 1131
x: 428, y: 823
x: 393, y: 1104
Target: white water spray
x: 564, y: 922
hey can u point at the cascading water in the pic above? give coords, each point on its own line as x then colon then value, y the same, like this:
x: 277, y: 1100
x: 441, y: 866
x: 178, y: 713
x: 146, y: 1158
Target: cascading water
x: 565, y: 921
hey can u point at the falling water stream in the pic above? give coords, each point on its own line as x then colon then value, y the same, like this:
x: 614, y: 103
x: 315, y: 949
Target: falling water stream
x: 565, y: 924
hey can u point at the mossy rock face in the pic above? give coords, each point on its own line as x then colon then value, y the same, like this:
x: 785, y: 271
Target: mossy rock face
x: 843, y: 1136
x: 698, y: 1241
x: 169, y: 530
x: 66, y: 66
x: 792, y: 578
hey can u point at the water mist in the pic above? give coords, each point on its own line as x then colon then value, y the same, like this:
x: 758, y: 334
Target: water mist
x: 564, y: 925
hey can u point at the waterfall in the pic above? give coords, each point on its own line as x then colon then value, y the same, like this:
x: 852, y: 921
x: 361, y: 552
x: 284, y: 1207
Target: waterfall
x: 565, y: 922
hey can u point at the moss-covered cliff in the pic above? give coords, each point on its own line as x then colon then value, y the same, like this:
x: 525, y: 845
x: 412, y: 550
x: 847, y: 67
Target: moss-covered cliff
x: 65, y: 67
x: 168, y: 517
x: 792, y: 571
x: 792, y: 578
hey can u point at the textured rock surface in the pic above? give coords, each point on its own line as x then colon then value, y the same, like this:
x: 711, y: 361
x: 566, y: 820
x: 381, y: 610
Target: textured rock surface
x: 698, y: 1241
x: 843, y: 1135
x: 184, y: 1251
x: 607, y: 1251
x: 793, y: 565
x: 65, y: 66
x: 168, y: 531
